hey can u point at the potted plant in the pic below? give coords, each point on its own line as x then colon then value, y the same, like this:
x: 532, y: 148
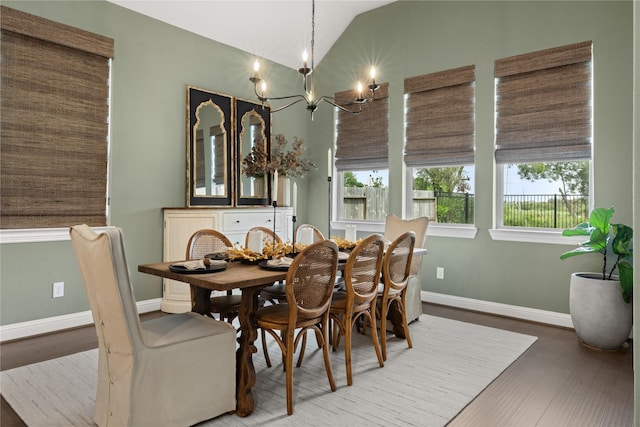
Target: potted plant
x: 600, y: 303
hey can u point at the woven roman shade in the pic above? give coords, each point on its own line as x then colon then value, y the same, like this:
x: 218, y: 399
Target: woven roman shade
x: 362, y: 139
x: 54, y: 114
x: 543, y: 105
x: 439, y: 118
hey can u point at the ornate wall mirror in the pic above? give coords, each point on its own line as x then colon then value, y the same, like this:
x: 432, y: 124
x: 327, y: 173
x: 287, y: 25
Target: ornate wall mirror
x: 209, y: 149
x: 253, y: 132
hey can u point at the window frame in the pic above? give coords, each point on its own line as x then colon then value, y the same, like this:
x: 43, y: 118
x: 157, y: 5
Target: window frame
x: 450, y: 79
x: 436, y: 229
x: 500, y: 232
x: 64, y: 36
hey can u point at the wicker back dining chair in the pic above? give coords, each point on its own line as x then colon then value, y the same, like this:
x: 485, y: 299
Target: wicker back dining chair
x: 396, y: 268
x: 204, y: 242
x: 358, y: 300
x: 144, y: 368
x: 309, y: 288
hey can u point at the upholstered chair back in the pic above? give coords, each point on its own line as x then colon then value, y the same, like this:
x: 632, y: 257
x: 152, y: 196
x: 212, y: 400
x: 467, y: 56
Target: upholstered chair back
x: 394, y: 227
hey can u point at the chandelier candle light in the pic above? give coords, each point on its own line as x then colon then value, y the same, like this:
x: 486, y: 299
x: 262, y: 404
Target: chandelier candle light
x: 308, y: 96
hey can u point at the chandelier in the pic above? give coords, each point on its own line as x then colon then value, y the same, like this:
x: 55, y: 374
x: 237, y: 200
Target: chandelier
x: 260, y: 86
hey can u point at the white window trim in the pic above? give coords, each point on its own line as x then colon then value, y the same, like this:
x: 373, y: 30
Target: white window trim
x: 38, y: 235
x: 534, y: 236
x: 460, y: 231
x: 361, y: 226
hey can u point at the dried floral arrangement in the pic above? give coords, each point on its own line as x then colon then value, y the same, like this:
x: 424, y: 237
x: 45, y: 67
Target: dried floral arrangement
x: 287, y: 162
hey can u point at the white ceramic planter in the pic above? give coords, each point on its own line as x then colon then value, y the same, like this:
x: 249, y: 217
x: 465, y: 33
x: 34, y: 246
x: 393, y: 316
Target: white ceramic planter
x: 600, y: 316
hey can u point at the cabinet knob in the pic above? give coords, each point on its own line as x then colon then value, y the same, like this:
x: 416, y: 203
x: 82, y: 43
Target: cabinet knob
x: 237, y: 221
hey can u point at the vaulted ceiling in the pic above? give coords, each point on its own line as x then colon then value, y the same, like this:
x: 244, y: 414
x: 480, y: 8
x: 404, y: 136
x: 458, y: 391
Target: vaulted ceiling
x: 276, y: 30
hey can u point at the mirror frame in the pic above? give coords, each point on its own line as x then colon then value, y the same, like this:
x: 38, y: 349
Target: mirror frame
x: 243, y: 107
x: 196, y: 97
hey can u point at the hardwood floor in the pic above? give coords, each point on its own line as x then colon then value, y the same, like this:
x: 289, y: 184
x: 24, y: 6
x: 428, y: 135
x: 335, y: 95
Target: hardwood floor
x: 557, y: 382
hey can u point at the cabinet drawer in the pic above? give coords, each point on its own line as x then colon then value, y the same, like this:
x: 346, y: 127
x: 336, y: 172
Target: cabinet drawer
x: 242, y: 221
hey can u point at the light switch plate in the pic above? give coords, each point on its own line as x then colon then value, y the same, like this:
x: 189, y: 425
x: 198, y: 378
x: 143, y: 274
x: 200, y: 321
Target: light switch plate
x: 58, y: 289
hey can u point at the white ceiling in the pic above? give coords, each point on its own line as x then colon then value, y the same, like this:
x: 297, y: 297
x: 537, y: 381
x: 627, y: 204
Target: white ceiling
x: 276, y: 30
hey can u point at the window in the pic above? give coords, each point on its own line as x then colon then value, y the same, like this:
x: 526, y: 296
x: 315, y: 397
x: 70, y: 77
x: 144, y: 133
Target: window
x: 439, y: 145
x: 362, y: 159
x: 364, y: 195
x: 543, y: 137
x: 55, y: 106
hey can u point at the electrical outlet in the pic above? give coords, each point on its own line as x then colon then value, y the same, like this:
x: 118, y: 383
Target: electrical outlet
x: 440, y: 273
x: 58, y: 289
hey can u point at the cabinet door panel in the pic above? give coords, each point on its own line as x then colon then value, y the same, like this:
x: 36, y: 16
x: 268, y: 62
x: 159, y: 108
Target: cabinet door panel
x: 178, y: 229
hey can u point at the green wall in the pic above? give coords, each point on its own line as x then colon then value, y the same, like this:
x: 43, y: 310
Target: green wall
x: 412, y: 38
x: 154, y: 62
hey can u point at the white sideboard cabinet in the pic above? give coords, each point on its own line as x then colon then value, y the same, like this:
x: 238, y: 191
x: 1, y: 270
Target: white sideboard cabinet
x: 181, y: 223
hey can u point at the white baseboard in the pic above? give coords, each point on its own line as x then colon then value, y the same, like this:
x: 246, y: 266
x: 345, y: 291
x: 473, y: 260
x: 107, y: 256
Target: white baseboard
x: 66, y: 321
x: 57, y: 323
x: 525, y: 313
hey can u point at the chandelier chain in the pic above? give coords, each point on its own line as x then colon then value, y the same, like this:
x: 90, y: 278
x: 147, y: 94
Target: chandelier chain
x: 313, y: 31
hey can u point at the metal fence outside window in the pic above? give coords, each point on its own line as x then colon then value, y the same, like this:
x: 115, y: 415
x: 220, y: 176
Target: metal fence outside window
x: 544, y: 210
x: 519, y: 210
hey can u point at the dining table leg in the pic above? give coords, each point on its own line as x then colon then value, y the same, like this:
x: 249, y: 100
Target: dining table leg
x: 201, y: 301
x: 245, y: 371
x: 395, y: 316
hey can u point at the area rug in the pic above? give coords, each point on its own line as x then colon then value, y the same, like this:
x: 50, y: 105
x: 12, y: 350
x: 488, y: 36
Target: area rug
x: 451, y: 362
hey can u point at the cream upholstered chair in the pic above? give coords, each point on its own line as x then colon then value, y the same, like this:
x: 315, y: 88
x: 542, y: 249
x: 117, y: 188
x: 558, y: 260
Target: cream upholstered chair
x: 309, y: 288
x: 396, y: 267
x: 393, y: 228
x: 204, y: 242
x: 358, y: 300
x: 175, y: 370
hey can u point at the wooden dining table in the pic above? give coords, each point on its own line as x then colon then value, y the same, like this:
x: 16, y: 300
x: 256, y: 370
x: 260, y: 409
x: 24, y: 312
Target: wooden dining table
x: 250, y: 279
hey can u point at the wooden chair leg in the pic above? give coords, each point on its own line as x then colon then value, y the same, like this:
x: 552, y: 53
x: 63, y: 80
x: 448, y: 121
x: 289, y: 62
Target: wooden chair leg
x: 325, y: 352
x: 405, y: 324
x: 338, y: 327
x: 264, y: 348
x: 288, y: 357
x: 383, y: 328
x: 371, y: 317
x: 303, y: 346
x: 347, y: 349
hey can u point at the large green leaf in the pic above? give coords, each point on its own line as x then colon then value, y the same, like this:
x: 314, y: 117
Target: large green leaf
x: 579, y: 251
x: 583, y: 229
x: 625, y: 273
x: 623, y: 240
x: 599, y: 218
